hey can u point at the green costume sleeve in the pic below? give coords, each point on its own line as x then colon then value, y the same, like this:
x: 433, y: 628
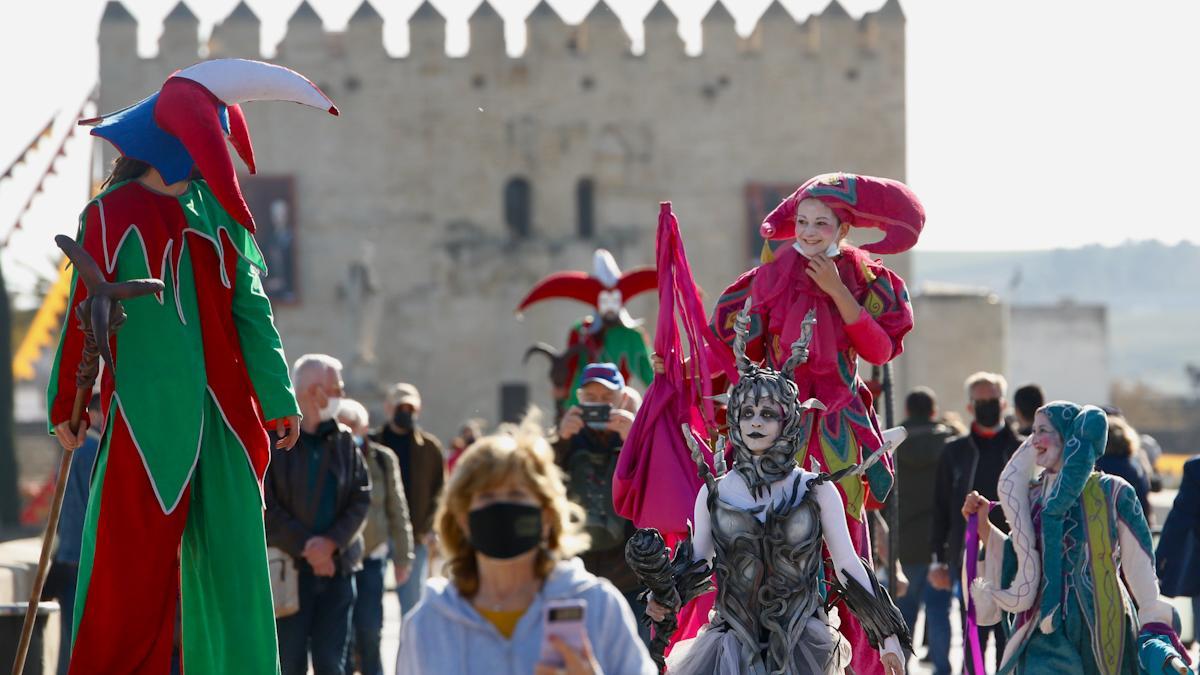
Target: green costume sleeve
x: 261, y: 346
x: 639, y: 361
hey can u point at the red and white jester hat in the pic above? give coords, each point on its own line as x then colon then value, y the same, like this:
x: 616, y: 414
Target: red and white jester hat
x: 862, y: 201
x: 606, y: 289
x: 185, y: 123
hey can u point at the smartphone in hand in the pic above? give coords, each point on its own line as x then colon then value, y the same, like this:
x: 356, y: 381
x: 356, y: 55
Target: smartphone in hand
x: 564, y: 619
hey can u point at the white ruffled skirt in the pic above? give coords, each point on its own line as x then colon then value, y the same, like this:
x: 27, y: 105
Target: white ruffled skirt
x: 819, y: 650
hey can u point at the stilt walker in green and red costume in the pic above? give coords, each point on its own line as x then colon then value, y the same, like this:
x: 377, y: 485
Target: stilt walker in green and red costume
x: 200, y: 375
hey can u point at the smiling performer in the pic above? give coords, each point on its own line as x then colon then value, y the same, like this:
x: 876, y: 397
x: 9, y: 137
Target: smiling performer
x: 862, y: 310
x: 1076, y: 573
x: 176, y: 491
x: 761, y: 526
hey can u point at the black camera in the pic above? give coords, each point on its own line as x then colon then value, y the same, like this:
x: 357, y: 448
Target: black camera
x: 595, y: 415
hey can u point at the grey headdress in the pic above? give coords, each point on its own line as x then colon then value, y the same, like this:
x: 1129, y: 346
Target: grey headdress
x: 756, y: 383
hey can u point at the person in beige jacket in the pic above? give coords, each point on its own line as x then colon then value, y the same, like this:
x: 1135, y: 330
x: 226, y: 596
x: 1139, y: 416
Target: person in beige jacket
x: 387, y: 529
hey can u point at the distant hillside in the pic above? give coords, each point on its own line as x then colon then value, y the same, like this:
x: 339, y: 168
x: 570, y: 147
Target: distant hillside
x: 1150, y: 288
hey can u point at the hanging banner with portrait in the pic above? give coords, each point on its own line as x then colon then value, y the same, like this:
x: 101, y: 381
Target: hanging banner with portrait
x: 272, y: 201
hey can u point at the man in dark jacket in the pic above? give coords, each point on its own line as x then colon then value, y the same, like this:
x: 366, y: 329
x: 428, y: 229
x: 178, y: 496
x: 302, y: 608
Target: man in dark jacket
x: 973, y: 462
x: 1178, y: 554
x: 916, y: 469
x: 317, y: 496
x: 421, y: 471
x: 590, y: 437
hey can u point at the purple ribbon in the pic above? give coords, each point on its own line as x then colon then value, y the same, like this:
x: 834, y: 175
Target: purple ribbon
x: 972, y: 554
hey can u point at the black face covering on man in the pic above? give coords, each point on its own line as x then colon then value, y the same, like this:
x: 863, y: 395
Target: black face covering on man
x: 987, y: 413
x: 403, y: 419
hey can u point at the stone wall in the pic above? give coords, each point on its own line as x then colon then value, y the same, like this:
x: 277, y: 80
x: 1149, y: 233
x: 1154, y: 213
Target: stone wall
x: 959, y: 331
x: 415, y: 168
x: 1063, y: 348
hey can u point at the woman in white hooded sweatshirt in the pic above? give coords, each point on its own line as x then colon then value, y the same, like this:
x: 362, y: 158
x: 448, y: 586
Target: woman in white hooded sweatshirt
x: 509, y: 533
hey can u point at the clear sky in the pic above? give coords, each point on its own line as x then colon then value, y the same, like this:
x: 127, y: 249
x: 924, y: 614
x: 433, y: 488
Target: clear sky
x: 1032, y: 123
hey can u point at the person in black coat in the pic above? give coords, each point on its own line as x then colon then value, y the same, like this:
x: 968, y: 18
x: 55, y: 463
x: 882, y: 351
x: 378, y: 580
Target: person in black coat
x: 1178, y: 555
x: 970, y: 463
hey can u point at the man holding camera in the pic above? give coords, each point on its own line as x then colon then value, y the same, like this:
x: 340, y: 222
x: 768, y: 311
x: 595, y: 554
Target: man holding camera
x: 590, y: 437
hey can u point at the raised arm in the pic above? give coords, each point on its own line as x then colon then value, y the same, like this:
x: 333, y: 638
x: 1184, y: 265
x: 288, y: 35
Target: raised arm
x: 885, y: 316
x: 60, y: 394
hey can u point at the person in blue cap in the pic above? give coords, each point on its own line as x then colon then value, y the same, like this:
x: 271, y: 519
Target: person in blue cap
x: 590, y: 437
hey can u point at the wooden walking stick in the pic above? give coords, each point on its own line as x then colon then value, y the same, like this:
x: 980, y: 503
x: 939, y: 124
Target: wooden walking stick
x: 100, y: 314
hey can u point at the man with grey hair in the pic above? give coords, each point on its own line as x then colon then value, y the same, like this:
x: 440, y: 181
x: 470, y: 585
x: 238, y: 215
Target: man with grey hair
x: 422, y: 473
x: 387, y: 522
x: 317, y: 498
x: 970, y: 463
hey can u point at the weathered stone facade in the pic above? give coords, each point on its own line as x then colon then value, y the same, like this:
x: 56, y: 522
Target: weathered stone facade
x: 416, y: 168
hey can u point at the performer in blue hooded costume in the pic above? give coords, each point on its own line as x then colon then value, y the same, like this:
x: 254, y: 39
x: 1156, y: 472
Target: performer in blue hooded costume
x: 1075, y: 576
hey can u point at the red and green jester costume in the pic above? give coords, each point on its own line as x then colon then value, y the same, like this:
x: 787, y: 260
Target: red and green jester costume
x: 176, y: 499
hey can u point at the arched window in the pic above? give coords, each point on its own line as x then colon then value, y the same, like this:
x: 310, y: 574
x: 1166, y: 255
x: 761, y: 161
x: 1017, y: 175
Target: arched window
x: 518, y: 207
x: 585, y: 207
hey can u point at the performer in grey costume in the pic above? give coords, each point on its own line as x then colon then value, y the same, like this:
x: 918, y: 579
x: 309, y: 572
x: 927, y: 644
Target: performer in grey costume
x: 760, y: 527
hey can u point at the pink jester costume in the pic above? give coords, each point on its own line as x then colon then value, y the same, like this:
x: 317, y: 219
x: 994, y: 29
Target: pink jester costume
x: 847, y: 431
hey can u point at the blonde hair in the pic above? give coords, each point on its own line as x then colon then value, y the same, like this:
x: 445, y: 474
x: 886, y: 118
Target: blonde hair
x: 514, y: 450
x: 1123, y: 441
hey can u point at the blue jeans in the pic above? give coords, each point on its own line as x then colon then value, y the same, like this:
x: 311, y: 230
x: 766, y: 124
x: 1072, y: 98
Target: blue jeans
x: 937, y: 614
x: 368, y: 617
x: 410, y: 592
x: 322, y: 625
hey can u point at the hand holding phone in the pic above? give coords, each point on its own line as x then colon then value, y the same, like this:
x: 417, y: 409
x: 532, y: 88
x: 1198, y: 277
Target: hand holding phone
x: 564, y: 620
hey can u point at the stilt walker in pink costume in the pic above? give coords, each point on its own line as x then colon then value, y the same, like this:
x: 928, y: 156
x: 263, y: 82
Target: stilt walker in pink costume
x: 862, y: 310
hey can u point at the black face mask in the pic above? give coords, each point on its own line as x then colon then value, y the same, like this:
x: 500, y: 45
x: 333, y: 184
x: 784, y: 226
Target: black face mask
x: 987, y: 413
x: 403, y: 419
x: 505, y: 529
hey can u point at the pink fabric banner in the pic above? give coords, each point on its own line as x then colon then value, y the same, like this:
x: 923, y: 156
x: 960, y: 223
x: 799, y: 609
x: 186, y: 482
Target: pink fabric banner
x: 656, y: 483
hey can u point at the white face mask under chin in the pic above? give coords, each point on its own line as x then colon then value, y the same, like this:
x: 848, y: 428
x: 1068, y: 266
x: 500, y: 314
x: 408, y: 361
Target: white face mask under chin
x: 330, y: 410
x: 830, y: 252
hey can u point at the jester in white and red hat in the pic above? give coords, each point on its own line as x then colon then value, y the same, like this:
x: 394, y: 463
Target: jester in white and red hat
x: 176, y: 505
x: 610, y: 335
x: 862, y: 310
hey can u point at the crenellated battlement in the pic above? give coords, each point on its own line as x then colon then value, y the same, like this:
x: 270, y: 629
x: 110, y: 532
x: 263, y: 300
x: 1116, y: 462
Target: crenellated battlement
x: 600, y: 34
x: 470, y: 176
